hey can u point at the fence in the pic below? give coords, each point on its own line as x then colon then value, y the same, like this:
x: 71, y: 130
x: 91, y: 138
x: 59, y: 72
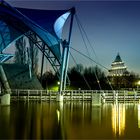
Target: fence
x: 78, y: 95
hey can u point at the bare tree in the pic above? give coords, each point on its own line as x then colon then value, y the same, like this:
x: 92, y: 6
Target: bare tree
x: 22, y: 54
x: 33, y: 56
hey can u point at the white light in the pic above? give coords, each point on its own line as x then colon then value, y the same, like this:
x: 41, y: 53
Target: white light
x: 138, y: 82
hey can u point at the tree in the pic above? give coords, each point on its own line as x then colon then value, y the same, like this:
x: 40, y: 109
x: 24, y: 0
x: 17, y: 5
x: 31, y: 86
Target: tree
x: 124, y: 81
x: 25, y: 50
x: 33, y: 56
x: 87, y: 78
x: 20, y: 54
x: 96, y: 78
x: 48, y: 79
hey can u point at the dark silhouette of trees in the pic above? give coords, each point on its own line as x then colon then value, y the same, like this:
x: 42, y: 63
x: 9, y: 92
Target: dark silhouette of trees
x: 125, y: 81
x: 90, y: 78
x: 24, y: 53
x: 48, y: 79
x: 76, y: 77
x: 87, y: 78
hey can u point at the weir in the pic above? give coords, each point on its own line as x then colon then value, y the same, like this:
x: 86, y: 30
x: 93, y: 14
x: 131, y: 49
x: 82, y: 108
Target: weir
x: 97, y: 97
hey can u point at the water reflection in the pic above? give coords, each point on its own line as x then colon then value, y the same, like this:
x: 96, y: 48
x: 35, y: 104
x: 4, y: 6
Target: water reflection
x: 139, y: 116
x: 4, y: 121
x: 118, y: 119
x: 61, y: 134
x: 71, y: 120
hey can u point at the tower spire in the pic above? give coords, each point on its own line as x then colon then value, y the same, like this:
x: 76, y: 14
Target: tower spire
x: 118, y: 58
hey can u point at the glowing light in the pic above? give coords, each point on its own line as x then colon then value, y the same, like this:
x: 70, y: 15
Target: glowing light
x: 54, y: 88
x: 138, y: 82
x: 58, y: 83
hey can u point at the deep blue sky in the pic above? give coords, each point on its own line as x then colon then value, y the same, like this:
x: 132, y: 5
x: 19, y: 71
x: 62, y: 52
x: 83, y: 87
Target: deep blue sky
x: 112, y: 27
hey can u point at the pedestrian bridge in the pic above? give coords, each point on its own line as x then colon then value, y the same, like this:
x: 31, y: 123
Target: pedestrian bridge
x: 44, y: 29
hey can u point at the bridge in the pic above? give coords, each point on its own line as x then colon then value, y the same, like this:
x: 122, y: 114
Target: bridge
x: 44, y: 32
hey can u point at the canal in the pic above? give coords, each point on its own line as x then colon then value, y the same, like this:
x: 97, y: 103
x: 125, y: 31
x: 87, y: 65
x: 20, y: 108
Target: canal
x: 71, y: 120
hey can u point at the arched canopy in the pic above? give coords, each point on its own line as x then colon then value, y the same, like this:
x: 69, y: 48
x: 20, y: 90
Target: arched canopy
x: 48, y: 19
x: 47, y: 24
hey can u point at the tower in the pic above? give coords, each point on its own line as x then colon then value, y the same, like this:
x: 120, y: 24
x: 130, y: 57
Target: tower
x: 118, y: 73
x: 118, y: 67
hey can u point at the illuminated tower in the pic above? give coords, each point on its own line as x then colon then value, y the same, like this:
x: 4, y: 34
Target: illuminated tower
x: 118, y: 67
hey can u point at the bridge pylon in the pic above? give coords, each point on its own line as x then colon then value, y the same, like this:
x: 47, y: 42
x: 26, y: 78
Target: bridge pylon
x: 65, y: 60
x: 5, y: 99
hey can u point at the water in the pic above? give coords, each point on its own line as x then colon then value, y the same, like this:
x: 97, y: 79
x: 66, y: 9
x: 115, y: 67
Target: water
x: 72, y: 120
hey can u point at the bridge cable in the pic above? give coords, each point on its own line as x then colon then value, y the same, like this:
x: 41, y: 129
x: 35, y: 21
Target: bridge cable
x: 91, y: 46
x: 79, y: 26
x: 89, y: 58
x: 86, y: 36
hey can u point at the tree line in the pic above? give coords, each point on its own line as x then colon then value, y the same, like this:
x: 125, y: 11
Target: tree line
x: 90, y: 78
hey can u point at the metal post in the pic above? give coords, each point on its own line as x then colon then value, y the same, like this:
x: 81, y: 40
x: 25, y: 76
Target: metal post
x: 66, y: 64
x: 46, y: 94
x: 71, y: 95
x: 29, y: 63
x: 42, y: 63
x: 63, y: 66
x: 83, y: 96
x: 124, y: 96
x: 28, y: 94
x: 68, y: 47
x: 18, y: 94
x: 50, y: 95
x: 41, y: 95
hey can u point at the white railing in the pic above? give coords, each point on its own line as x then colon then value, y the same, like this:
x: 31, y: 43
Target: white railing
x: 80, y: 95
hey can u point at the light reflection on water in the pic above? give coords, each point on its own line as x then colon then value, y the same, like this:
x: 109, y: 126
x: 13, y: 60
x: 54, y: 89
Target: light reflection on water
x: 139, y: 116
x: 72, y: 120
x: 118, y: 119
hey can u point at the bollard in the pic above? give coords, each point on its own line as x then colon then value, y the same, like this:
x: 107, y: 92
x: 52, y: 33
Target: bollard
x: 5, y: 99
x: 59, y: 98
x: 96, y: 99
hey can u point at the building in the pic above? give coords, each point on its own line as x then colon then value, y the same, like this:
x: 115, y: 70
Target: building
x: 118, y: 74
x: 118, y: 68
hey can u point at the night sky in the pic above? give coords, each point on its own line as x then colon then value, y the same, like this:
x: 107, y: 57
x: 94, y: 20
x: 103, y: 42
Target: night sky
x: 111, y: 26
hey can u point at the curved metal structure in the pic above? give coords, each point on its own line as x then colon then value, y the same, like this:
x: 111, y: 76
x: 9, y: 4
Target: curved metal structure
x: 42, y: 27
